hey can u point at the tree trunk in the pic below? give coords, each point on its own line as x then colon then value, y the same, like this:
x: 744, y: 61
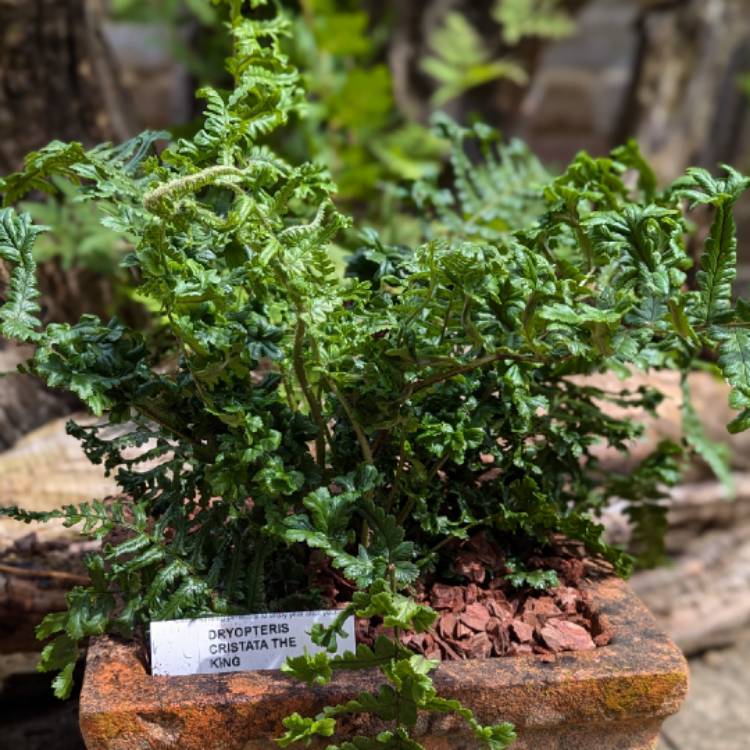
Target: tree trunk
x: 687, y: 105
x: 57, y: 78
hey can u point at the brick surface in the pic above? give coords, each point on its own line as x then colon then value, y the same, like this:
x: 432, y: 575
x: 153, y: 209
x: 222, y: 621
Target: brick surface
x: 612, y: 698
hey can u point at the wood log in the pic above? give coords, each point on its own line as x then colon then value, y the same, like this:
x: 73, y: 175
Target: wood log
x: 703, y: 598
x: 40, y: 563
x: 37, y: 570
x: 686, y: 106
x: 25, y: 403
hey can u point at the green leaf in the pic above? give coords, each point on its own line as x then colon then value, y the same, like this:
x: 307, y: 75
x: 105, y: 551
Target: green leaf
x: 62, y: 684
x: 715, y: 454
x: 460, y: 60
x: 539, y: 18
x: 559, y: 312
x: 397, y: 610
x: 54, y: 622
x: 19, y: 311
x: 497, y: 737
x: 631, y: 157
x: 312, y: 668
x: 60, y: 655
x: 299, y: 728
x: 56, y: 158
x: 541, y: 580
x: 718, y: 263
x: 364, y: 657
x: 734, y: 363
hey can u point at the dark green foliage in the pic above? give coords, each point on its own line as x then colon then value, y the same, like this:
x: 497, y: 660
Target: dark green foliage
x: 18, y: 314
x: 490, y: 199
x: 374, y: 417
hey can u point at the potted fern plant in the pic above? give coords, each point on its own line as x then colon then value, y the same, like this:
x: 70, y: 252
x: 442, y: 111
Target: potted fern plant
x: 409, y: 441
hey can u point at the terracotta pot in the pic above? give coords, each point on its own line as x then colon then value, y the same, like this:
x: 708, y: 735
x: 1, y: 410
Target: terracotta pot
x: 613, y: 698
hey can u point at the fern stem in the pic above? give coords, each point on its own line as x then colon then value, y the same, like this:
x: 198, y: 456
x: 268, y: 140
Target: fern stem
x: 312, y: 402
x: 408, y: 507
x: 487, y: 359
x: 397, y: 476
x: 364, y: 445
x: 200, y: 449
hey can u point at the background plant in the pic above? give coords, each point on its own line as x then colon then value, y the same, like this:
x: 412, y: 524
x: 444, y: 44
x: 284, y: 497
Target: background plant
x: 352, y: 122
x: 302, y: 412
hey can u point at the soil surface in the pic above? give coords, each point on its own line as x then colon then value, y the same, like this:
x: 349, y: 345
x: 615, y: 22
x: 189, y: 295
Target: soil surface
x: 481, y: 614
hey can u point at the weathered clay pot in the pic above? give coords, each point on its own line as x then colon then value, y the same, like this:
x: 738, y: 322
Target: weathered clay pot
x: 613, y: 698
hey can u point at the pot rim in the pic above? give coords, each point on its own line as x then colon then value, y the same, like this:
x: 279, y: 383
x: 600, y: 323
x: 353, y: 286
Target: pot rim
x: 640, y: 676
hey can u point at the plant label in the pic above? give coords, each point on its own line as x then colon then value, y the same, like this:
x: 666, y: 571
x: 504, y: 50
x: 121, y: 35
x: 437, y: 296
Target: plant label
x: 238, y: 643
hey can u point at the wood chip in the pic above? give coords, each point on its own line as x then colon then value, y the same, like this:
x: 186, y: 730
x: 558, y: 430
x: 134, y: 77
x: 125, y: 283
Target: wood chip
x: 499, y: 606
x: 468, y: 565
x: 522, y: 631
x: 602, y: 630
x: 520, y: 648
x: 447, y: 624
x: 561, y: 635
x: 447, y: 597
x: 479, y: 646
x: 475, y: 616
x: 543, y: 607
x: 566, y: 598
x: 498, y: 633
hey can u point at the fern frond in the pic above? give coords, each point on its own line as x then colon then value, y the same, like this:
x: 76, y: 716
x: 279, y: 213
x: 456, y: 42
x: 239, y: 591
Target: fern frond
x: 490, y: 197
x: 718, y: 262
x: 734, y: 363
x: 540, y: 18
x: 56, y: 158
x: 461, y: 61
x: 631, y: 157
x: 715, y: 454
x: 19, y: 311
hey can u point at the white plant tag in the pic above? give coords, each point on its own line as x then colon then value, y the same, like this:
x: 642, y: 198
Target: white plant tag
x: 238, y: 643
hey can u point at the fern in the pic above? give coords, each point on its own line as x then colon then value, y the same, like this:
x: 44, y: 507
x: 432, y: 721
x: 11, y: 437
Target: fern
x: 55, y: 158
x: 524, y: 18
x: 734, y: 362
x: 19, y: 311
x: 490, y: 198
x: 718, y: 262
x: 359, y: 411
x: 460, y: 60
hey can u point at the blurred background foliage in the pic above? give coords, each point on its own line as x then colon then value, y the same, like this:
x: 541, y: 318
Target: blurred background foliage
x: 561, y: 74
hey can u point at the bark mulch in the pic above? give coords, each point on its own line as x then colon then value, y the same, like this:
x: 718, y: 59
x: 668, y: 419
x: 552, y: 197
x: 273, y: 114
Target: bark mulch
x: 481, y: 614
